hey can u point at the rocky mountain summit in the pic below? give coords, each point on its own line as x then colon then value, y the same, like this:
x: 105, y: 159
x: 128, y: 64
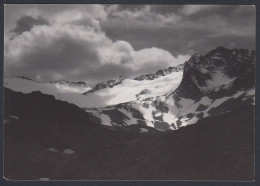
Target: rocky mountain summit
x: 221, y: 71
x: 72, y: 83
x: 159, y: 73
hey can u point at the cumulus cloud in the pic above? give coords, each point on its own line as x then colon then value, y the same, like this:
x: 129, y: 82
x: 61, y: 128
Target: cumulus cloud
x: 73, y: 46
x: 122, y: 53
x: 26, y: 23
x: 100, y: 42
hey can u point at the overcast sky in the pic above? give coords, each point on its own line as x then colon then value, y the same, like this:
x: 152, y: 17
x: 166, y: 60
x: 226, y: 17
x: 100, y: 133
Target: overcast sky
x: 95, y: 43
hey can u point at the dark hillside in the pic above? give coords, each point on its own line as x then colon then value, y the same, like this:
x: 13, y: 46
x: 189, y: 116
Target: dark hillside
x: 46, y: 138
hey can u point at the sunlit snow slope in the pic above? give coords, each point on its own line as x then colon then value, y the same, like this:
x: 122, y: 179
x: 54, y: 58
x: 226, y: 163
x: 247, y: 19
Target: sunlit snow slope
x: 124, y: 92
x: 129, y: 89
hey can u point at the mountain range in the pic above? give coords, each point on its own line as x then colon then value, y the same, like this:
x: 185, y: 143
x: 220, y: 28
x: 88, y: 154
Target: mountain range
x: 189, y: 122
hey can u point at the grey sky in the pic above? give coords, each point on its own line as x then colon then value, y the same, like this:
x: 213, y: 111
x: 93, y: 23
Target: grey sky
x: 99, y: 42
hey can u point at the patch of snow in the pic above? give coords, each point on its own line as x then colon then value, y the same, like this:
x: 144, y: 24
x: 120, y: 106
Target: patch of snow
x: 185, y: 105
x: 157, y: 114
x: 147, y: 114
x: 171, y: 127
x: 187, y: 121
x: 170, y: 101
x: 251, y: 92
x: 68, y: 151
x: 239, y: 93
x: 219, y: 101
x: 205, y: 100
x: 14, y: 117
x: 218, y: 57
x: 169, y: 118
x: 105, y: 120
x: 52, y: 149
x: 219, y: 81
x: 185, y: 102
x: 144, y: 130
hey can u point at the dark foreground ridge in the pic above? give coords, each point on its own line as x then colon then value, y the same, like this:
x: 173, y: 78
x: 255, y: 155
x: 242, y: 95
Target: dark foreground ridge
x: 46, y: 138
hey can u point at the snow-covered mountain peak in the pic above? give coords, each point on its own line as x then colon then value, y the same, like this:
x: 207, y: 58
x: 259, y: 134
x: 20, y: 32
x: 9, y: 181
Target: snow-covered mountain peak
x: 218, y: 70
x: 219, y: 58
x: 211, y: 85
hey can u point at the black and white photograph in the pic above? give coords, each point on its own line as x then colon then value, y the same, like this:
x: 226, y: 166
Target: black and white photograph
x: 129, y: 92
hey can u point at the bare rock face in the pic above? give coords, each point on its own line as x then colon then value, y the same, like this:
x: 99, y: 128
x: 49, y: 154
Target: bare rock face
x: 159, y: 73
x: 108, y: 84
x: 221, y: 71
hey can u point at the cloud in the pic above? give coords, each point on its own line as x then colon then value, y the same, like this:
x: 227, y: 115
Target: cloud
x: 26, y: 23
x: 190, y: 27
x: 143, y: 14
x: 100, y: 42
x: 73, y: 47
x: 122, y: 53
x: 193, y: 9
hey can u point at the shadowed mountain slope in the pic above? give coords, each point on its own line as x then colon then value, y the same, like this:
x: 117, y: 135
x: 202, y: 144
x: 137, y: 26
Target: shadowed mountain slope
x: 47, y: 138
